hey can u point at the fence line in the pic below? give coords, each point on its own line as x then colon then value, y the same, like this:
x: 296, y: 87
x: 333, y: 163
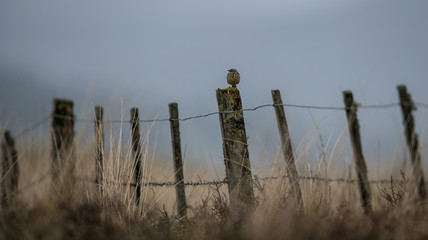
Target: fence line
x: 40, y: 123
x: 255, y: 179
x: 216, y: 182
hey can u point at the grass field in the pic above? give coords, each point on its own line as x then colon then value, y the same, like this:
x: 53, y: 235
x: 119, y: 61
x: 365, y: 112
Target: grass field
x: 332, y: 210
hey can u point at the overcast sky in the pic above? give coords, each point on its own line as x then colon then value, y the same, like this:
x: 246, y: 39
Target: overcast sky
x: 148, y: 53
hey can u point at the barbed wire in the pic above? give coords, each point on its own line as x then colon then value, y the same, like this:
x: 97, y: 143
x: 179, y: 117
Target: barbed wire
x: 65, y: 117
x: 255, y: 179
x: 374, y: 106
x: 33, y: 183
x: 213, y: 182
x: 421, y: 104
x: 32, y: 127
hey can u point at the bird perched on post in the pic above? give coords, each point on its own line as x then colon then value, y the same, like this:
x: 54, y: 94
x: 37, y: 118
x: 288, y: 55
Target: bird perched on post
x: 233, y: 77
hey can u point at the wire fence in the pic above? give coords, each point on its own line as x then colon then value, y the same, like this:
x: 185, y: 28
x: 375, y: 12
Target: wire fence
x: 40, y: 123
x: 217, y: 182
x: 255, y: 179
x: 33, y: 127
x: 374, y: 106
x: 33, y: 183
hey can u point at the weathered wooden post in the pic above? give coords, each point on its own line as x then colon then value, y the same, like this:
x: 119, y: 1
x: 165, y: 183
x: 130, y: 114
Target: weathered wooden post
x: 287, y: 148
x: 63, y: 159
x: 360, y: 164
x: 178, y: 162
x: 99, y: 152
x: 10, y: 170
x: 407, y: 106
x: 235, y: 147
x: 137, y: 153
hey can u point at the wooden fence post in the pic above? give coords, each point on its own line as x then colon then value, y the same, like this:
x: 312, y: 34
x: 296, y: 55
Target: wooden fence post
x: 360, y: 164
x: 407, y: 106
x: 178, y: 162
x: 235, y: 147
x: 287, y: 148
x: 99, y: 152
x: 63, y: 159
x: 10, y: 170
x: 137, y: 153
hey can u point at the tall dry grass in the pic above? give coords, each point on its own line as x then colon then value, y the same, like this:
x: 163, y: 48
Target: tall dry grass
x: 332, y: 210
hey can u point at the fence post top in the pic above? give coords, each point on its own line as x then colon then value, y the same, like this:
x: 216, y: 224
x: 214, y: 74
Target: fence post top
x: 134, y: 114
x: 63, y: 107
x: 276, y: 94
x: 6, y: 134
x: 98, y: 110
x: 347, y: 93
x: 63, y: 101
x: 402, y: 87
x: 402, y: 92
x: 7, y: 137
x: 229, y: 89
x: 348, y: 98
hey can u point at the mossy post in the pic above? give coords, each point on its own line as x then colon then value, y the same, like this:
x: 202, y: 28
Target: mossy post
x: 407, y: 106
x: 360, y: 164
x: 10, y: 170
x: 99, y: 152
x: 178, y: 161
x: 63, y: 153
x: 287, y: 148
x: 235, y: 147
x: 137, y: 153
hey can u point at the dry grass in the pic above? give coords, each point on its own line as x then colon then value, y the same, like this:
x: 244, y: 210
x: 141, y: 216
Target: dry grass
x: 77, y: 211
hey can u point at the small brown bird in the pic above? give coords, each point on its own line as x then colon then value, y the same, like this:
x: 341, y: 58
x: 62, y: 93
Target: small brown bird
x: 233, y: 77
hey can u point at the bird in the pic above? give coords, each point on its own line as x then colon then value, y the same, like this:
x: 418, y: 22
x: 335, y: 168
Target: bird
x: 233, y: 77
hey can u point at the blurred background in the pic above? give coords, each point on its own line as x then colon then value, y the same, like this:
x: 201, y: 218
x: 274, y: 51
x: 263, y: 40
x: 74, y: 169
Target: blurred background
x: 146, y: 54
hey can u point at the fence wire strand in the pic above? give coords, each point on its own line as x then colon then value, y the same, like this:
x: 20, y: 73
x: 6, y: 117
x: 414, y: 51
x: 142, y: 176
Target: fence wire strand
x: 57, y: 116
x: 255, y: 179
x: 32, y: 127
x: 212, y: 182
x: 421, y: 104
x: 373, y: 106
x: 33, y: 183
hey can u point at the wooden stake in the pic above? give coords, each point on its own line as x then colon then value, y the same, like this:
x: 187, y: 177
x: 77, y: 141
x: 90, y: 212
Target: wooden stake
x: 63, y: 156
x: 287, y: 148
x: 10, y: 170
x: 178, y: 162
x: 360, y: 164
x: 407, y: 106
x: 99, y: 153
x: 137, y: 152
x: 235, y: 147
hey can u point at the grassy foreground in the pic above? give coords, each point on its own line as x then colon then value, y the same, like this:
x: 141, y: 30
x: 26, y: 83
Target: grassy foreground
x: 77, y: 219
x: 332, y: 210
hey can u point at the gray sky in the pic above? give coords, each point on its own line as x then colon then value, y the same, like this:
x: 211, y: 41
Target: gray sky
x: 149, y: 53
